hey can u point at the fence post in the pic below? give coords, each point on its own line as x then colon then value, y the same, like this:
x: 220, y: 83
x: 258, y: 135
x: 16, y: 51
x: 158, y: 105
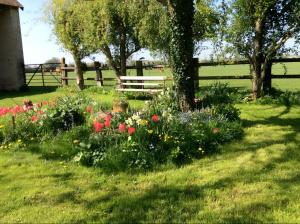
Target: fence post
x: 43, y: 78
x: 196, y: 73
x: 139, y: 71
x: 64, y: 73
x: 267, y: 81
x: 99, y: 78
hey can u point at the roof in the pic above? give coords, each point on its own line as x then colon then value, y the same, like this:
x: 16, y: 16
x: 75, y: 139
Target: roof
x: 13, y: 3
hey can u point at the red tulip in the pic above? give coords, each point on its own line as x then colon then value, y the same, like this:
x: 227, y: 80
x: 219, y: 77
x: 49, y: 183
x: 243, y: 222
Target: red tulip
x: 155, y: 118
x: 34, y: 118
x: 122, y: 128
x: 107, y: 123
x: 131, y: 130
x: 98, y: 126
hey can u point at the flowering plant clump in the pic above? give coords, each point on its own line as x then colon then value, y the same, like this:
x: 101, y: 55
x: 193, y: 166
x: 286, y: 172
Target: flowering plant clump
x: 81, y: 129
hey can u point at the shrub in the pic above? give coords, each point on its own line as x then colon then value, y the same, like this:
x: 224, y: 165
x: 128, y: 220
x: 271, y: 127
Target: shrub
x: 77, y: 128
x: 216, y: 94
x: 228, y: 111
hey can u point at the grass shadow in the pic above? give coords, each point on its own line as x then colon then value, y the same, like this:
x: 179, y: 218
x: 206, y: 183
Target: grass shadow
x: 30, y: 91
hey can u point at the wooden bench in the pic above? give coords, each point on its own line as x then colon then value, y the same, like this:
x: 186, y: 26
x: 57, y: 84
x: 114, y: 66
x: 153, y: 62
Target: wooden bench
x: 149, y: 84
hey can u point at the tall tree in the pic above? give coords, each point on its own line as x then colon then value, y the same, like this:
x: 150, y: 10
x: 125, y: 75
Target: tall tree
x: 180, y: 14
x: 110, y: 30
x: 259, y: 30
x: 68, y: 28
x: 155, y: 29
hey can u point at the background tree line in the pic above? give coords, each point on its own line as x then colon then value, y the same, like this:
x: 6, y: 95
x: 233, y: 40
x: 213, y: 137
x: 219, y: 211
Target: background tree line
x: 257, y: 30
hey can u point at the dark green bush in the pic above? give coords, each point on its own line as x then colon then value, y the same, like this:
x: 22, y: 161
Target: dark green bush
x: 228, y: 111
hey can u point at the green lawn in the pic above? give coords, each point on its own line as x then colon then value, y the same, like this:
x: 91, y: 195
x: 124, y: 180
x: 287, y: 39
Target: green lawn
x: 251, y: 181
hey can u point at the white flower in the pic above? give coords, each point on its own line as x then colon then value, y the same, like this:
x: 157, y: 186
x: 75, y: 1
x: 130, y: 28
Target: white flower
x: 129, y: 122
x: 136, y: 117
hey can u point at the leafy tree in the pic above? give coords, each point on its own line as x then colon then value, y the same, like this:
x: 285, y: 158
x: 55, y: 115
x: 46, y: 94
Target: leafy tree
x: 111, y: 31
x: 259, y: 30
x: 173, y: 28
x: 180, y: 17
x: 66, y: 18
x: 154, y: 27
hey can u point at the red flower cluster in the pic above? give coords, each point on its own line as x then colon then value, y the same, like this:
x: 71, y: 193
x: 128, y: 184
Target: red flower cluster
x: 34, y: 118
x: 107, y: 120
x: 131, y: 130
x: 155, y: 118
x: 21, y: 109
x: 98, y: 126
x: 122, y: 128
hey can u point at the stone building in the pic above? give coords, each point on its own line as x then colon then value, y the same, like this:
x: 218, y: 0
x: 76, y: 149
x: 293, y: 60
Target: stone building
x: 12, y: 75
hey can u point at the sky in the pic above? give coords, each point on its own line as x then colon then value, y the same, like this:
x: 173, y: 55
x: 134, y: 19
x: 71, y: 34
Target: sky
x: 40, y: 44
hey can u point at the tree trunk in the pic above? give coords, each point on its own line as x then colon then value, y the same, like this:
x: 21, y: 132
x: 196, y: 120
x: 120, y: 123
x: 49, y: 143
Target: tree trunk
x: 267, y: 78
x: 256, y: 85
x: 257, y: 60
x: 79, y: 73
x: 123, y: 58
x: 113, y: 64
x: 182, y: 49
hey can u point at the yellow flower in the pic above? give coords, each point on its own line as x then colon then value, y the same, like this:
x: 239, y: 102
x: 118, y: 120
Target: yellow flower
x: 143, y: 122
x: 150, y: 131
x: 19, y: 141
x: 76, y: 141
x: 167, y: 138
x: 1, y: 126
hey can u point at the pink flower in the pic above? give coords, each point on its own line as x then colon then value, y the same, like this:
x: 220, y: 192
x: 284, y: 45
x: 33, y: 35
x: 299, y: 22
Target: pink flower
x: 131, y: 130
x: 98, y: 126
x: 4, y: 111
x: 89, y: 109
x: 107, y: 120
x: 34, y: 118
x: 122, y: 128
x: 108, y: 117
x: 216, y: 130
x: 107, y: 123
x: 155, y: 118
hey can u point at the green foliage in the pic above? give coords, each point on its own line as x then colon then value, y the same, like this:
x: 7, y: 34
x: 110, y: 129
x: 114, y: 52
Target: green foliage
x: 66, y: 19
x: 75, y: 127
x: 255, y: 31
x: 155, y: 29
x: 279, y: 97
x: 217, y: 93
x: 67, y: 113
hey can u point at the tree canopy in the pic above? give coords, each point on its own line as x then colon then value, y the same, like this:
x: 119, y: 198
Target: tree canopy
x: 259, y: 30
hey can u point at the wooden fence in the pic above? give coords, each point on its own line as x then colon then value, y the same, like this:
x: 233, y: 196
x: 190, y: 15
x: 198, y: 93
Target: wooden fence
x: 58, y: 74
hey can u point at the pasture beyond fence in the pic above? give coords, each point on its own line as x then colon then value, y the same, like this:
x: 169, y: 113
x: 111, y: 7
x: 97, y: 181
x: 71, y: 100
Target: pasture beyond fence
x: 60, y: 74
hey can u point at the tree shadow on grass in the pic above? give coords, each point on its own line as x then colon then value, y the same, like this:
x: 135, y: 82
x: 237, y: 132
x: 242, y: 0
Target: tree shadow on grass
x: 31, y: 91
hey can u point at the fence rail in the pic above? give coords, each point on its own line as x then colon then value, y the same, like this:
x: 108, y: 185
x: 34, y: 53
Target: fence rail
x: 55, y: 73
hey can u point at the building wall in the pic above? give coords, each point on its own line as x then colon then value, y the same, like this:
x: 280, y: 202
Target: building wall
x: 11, y: 50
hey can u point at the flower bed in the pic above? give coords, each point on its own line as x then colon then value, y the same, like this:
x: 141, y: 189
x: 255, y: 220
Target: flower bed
x: 80, y: 129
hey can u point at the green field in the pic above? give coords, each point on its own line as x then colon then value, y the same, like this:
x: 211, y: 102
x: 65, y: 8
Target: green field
x: 256, y: 180
x: 235, y: 70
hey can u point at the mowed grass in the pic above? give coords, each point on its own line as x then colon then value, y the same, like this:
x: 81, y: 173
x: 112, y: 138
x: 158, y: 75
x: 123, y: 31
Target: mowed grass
x: 233, y: 70
x: 256, y: 180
